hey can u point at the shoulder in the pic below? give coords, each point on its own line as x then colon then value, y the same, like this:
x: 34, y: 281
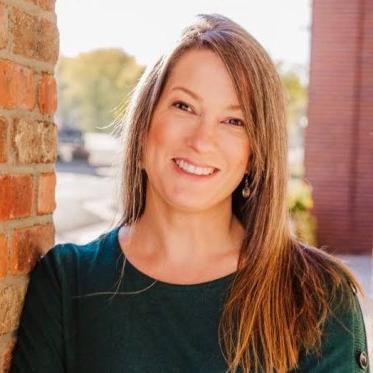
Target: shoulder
x: 327, y: 273
x: 343, y: 345
x: 63, y: 260
x: 345, y: 318
x: 340, y: 288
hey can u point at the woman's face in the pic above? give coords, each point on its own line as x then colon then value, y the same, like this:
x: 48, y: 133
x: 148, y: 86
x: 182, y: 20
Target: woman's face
x: 197, y: 148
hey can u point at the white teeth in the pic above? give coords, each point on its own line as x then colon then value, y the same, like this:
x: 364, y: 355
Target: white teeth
x: 193, y: 169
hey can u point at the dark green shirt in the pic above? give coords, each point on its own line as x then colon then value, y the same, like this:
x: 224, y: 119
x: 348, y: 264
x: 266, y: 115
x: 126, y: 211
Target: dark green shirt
x: 147, y: 327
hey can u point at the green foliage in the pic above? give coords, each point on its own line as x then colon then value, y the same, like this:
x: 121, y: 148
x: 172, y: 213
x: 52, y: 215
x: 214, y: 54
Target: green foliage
x: 295, y: 96
x: 300, y: 206
x: 92, y: 85
x: 296, y: 103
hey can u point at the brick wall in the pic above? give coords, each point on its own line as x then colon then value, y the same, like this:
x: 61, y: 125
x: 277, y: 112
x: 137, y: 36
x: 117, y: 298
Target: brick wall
x: 28, y: 54
x: 339, y: 137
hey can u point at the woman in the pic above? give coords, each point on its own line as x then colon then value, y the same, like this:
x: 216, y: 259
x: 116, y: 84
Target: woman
x: 202, y: 274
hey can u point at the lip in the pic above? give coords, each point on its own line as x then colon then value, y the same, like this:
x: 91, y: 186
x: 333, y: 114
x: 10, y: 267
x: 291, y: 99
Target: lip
x: 192, y: 176
x: 195, y: 164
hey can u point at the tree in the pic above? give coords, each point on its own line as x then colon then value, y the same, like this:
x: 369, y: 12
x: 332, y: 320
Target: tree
x: 92, y: 85
x: 296, y: 100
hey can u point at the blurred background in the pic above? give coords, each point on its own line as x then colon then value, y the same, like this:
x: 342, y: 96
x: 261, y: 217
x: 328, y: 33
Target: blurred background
x: 319, y: 51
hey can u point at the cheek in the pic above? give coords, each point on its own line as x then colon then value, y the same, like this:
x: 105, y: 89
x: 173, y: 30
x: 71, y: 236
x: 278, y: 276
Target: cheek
x: 238, y: 152
x: 157, y: 137
x: 162, y: 140
x: 166, y: 132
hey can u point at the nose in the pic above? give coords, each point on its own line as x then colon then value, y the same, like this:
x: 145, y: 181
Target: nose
x: 203, y: 136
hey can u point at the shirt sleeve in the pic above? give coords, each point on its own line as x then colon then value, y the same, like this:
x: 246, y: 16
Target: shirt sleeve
x: 344, y: 344
x: 40, y: 337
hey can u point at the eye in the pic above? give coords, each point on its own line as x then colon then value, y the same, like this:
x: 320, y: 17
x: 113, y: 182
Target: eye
x: 235, y: 122
x: 182, y: 106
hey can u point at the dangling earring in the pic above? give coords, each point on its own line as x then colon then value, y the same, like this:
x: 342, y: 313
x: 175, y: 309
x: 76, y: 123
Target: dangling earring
x: 246, y: 189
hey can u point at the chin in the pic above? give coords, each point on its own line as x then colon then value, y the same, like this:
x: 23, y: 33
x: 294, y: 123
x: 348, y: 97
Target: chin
x: 192, y: 204
x: 186, y: 199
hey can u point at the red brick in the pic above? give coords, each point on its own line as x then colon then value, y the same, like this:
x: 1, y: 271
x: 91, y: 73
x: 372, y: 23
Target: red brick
x: 46, y: 193
x: 15, y: 196
x: 35, y: 142
x: 47, y: 97
x: 3, y: 140
x: 34, y: 37
x: 17, y: 86
x: 28, y: 244
x: 3, y: 26
x: 3, y: 256
x: 11, y: 302
x: 7, y: 356
x: 338, y: 151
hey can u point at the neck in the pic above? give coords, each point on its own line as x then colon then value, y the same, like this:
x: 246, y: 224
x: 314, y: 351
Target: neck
x: 179, y: 236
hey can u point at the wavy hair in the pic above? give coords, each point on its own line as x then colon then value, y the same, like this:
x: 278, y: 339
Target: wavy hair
x: 281, y: 284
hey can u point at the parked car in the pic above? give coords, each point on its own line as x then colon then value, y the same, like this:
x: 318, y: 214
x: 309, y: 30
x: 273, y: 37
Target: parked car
x: 71, y: 145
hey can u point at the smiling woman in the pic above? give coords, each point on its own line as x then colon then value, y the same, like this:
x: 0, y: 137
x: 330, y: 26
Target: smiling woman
x: 201, y: 273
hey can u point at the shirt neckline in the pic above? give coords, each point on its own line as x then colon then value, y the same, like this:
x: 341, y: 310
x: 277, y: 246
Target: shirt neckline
x: 220, y: 281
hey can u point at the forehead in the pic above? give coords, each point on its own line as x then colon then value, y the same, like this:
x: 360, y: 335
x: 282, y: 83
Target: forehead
x: 202, y: 71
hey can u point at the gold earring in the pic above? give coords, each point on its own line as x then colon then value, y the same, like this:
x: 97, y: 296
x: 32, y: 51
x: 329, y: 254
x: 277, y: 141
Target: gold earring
x: 246, y: 189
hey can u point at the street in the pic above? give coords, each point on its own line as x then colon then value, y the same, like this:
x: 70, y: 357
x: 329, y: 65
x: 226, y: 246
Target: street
x: 86, y: 201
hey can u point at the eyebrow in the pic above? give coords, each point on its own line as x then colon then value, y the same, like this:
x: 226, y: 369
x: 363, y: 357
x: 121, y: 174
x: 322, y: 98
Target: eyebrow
x: 196, y: 97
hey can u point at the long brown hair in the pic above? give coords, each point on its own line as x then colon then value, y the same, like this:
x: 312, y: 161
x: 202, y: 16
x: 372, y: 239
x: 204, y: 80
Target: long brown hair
x: 280, y: 284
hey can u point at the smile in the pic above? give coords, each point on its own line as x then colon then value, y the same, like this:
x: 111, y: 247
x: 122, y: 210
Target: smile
x: 192, y: 169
